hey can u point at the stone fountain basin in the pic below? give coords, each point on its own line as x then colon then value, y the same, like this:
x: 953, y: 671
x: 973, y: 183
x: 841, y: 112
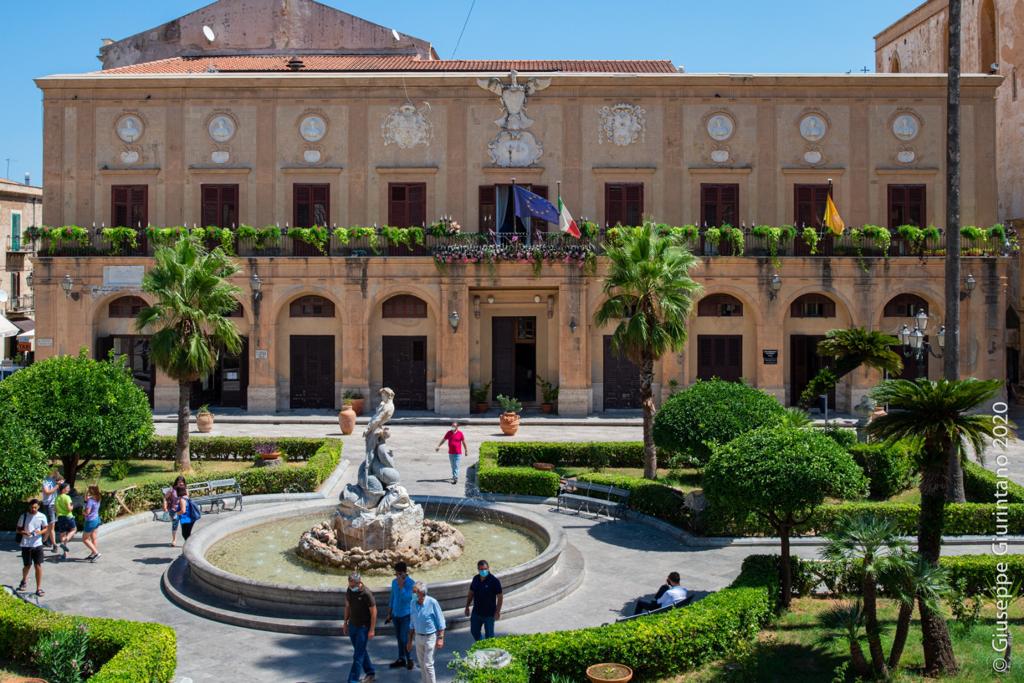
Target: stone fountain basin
x: 329, y: 603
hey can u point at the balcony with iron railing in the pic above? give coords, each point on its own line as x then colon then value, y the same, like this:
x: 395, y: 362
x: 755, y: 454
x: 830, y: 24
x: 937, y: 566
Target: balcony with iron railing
x: 23, y: 304
x: 17, y: 251
x: 447, y: 245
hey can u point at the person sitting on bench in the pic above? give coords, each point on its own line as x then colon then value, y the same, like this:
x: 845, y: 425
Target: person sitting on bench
x: 668, y: 595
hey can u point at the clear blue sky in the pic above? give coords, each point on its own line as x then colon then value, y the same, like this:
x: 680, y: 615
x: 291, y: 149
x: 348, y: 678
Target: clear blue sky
x: 63, y: 36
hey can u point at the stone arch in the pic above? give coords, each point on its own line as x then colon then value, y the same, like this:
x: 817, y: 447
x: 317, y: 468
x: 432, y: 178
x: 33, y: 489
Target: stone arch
x: 800, y: 362
x: 844, y: 308
x: 299, y: 383
x: 403, y: 351
x: 299, y: 291
x: 988, y: 36
x: 894, y: 63
x: 384, y: 293
x: 724, y: 346
x: 120, y: 335
x: 934, y: 300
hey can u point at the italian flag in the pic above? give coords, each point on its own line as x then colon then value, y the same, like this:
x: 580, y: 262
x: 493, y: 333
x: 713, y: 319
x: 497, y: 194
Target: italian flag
x: 565, y: 220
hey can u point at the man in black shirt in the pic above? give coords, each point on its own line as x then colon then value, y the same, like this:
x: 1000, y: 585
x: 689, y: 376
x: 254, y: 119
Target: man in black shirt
x: 485, y: 599
x: 360, y: 619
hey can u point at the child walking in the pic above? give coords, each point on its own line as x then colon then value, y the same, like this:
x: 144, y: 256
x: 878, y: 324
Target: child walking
x: 92, y: 522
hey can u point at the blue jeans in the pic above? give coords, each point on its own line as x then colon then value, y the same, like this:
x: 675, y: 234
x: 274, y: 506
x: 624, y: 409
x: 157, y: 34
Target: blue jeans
x: 476, y: 621
x: 402, y: 635
x: 360, y: 657
x: 454, y: 458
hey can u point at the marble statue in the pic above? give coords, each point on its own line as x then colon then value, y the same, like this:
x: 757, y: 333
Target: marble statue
x: 513, y: 98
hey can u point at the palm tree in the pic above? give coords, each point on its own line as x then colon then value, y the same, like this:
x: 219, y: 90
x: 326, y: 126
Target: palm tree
x: 849, y: 350
x: 870, y: 542
x: 845, y: 620
x: 193, y: 298
x: 907, y: 578
x: 649, y: 293
x: 937, y: 415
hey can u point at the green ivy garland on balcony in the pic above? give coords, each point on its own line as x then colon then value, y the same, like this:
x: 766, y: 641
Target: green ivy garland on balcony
x: 773, y: 235
x: 121, y: 238
x: 315, y: 236
x: 877, y: 234
x: 810, y: 237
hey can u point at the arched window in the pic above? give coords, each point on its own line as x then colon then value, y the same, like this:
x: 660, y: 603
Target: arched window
x: 126, y: 307
x: 311, y: 306
x: 987, y: 37
x: 904, y: 306
x: 813, y: 306
x: 405, y: 306
x: 237, y: 312
x: 894, y: 63
x: 720, y: 306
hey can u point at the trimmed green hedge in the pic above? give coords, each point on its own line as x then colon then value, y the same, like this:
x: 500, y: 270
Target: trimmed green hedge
x: 228, y: 448
x: 646, y: 496
x: 124, y: 651
x: 981, y: 485
x: 572, y: 453
x: 889, y: 467
x: 979, y: 571
x: 653, y: 646
x: 524, y: 481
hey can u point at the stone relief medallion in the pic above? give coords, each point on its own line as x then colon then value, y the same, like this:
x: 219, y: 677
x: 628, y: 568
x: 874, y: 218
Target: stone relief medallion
x: 720, y: 126
x: 622, y: 124
x: 311, y: 156
x: 130, y: 156
x: 906, y: 156
x: 313, y: 128
x: 220, y: 156
x: 129, y: 128
x: 813, y: 156
x: 407, y: 126
x: 905, y: 126
x: 720, y: 156
x: 221, y: 128
x: 513, y: 96
x: 514, y: 148
x: 813, y: 127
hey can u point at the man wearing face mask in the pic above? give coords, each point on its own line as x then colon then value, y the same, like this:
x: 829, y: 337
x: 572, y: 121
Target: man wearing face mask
x: 360, y: 619
x: 483, y: 603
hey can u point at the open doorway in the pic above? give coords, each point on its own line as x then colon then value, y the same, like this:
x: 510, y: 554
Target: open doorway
x: 514, y: 357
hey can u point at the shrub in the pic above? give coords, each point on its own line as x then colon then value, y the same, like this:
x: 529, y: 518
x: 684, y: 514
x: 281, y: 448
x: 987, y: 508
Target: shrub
x: 648, y: 497
x: 62, y: 655
x: 524, y: 481
x: 653, y: 646
x: 119, y: 470
x: 228, y: 448
x: 890, y: 467
x: 981, y: 485
x: 80, y: 408
x: 845, y: 437
x: 710, y: 413
x: 22, y: 461
x: 572, y: 453
x: 978, y: 572
x: 125, y: 651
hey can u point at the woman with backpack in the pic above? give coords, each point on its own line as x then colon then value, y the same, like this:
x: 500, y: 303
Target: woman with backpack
x: 171, y: 506
x: 188, y: 512
x: 92, y: 522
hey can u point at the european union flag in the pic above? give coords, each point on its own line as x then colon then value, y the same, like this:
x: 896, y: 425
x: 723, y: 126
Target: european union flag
x: 530, y: 205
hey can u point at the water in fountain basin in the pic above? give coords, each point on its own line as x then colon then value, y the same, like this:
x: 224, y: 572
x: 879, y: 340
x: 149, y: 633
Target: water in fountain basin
x: 266, y: 552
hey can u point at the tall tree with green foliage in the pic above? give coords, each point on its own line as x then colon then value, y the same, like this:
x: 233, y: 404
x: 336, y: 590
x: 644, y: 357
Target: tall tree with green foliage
x: 80, y: 409
x: 782, y: 475
x: 648, y: 297
x: 189, y: 322
x: 22, y: 459
x: 938, y: 416
x: 849, y: 349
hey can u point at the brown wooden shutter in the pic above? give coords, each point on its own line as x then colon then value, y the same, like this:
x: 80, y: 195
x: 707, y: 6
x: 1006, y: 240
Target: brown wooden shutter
x: 488, y: 206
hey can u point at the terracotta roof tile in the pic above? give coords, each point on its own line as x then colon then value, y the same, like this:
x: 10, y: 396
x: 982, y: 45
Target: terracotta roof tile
x: 357, y: 63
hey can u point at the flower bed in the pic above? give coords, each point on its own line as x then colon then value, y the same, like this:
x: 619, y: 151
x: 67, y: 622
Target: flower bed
x: 123, y: 651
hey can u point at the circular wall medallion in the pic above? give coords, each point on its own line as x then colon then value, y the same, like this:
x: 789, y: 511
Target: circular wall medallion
x: 129, y: 128
x: 905, y: 127
x: 720, y: 127
x: 129, y: 157
x: 220, y: 157
x: 720, y: 156
x: 312, y: 128
x: 813, y: 127
x: 222, y: 128
x: 906, y: 156
x: 812, y: 156
x: 311, y: 156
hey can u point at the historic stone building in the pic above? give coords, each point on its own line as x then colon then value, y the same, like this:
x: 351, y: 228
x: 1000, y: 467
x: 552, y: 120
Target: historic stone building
x: 290, y: 114
x: 21, y: 207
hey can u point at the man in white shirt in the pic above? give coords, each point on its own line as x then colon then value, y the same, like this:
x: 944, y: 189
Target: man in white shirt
x: 668, y: 595
x: 674, y: 594
x: 32, y: 526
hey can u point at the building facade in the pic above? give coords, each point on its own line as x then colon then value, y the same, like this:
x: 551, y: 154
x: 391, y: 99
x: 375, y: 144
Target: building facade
x: 20, y: 209
x: 393, y: 136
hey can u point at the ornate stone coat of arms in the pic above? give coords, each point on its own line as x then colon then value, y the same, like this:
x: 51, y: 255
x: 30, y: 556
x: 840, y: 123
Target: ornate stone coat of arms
x: 514, y: 145
x: 407, y: 126
x: 622, y: 124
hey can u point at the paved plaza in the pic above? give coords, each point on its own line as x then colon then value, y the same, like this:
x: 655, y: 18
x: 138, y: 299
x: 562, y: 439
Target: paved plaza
x: 623, y: 560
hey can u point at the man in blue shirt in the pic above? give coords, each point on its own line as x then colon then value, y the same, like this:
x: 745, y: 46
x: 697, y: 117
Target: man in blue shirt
x: 485, y: 599
x: 400, y: 611
x: 427, y: 631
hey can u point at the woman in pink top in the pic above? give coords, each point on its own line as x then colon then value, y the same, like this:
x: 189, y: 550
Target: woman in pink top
x: 456, y: 441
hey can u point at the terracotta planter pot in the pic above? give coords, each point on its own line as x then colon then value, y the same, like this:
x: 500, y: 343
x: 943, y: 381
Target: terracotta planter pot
x: 483, y: 407
x: 547, y: 408
x: 543, y: 466
x: 204, y: 421
x: 357, y: 405
x: 347, y: 420
x: 609, y: 673
x: 509, y: 423
x: 276, y: 455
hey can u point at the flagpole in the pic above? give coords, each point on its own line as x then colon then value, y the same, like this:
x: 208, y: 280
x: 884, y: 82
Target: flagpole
x: 512, y: 198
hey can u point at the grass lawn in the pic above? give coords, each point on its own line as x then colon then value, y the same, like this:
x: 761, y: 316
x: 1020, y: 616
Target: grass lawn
x: 685, y: 480
x: 798, y: 649
x: 162, y: 471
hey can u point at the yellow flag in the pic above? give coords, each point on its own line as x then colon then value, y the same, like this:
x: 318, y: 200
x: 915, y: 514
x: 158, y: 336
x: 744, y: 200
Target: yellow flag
x: 832, y: 218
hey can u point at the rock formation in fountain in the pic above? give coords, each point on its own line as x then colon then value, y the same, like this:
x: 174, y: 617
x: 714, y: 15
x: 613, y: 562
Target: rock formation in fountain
x: 376, y: 523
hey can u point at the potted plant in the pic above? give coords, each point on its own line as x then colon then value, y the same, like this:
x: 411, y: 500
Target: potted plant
x: 479, y: 395
x: 356, y: 398
x: 609, y: 673
x: 268, y: 451
x: 204, y: 419
x: 347, y: 417
x: 549, y: 395
x: 510, y: 408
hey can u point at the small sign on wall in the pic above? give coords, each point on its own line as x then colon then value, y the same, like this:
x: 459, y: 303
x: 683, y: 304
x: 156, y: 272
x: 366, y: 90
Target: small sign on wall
x: 44, y: 341
x: 770, y: 356
x: 261, y: 354
x: 123, y: 276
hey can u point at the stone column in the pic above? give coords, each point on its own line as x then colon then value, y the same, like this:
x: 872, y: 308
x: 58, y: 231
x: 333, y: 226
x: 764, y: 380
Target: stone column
x: 451, y: 392
x: 355, y: 346
x: 771, y: 334
x: 574, y: 391
x: 262, y: 390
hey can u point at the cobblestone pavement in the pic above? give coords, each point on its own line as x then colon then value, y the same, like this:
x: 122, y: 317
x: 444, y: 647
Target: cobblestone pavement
x: 623, y: 560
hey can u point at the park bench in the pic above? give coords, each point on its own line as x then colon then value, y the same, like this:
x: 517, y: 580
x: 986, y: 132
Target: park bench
x: 679, y: 603
x: 584, y: 495
x: 215, y: 493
